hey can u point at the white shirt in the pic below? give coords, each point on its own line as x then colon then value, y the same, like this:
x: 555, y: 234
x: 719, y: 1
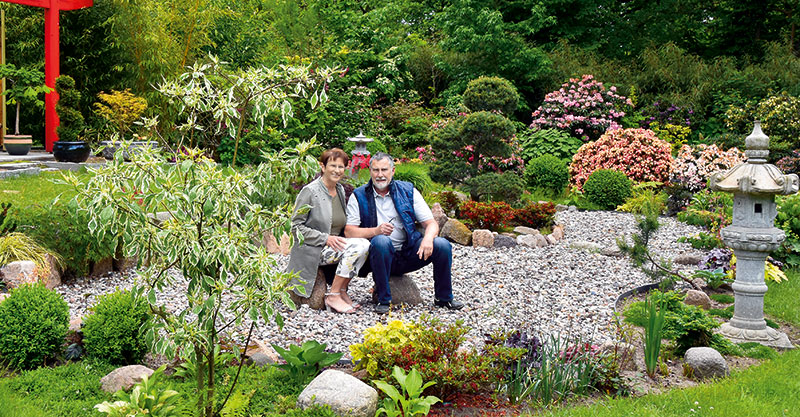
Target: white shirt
x: 384, y: 207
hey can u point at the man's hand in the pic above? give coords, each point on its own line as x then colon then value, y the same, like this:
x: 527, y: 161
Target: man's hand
x: 337, y: 243
x: 425, y: 249
x: 384, y: 229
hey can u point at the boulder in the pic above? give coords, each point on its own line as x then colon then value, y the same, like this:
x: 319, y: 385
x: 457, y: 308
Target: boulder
x: 561, y: 207
x: 274, y: 247
x: 316, y: 299
x: 706, y: 362
x: 123, y: 264
x: 687, y: 259
x: 551, y: 240
x: 541, y: 241
x: 75, y: 324
x: 558, y: 232
x: 503, y: 241
x: 124, y: 378
x: 697, y: 298
x: 455, y: 231
x: 102, y: 267
x: 261, y: 359
x: 699, y: 282
x: 527, y: 240
x: 439, y: 215
x: 17, y: 273
x: 483, y: 238
x: 524, y: 230
x: 54, y: 276
x: 572, y: 209
x: 404, y: 291
x: 345, y: 394
x: 586, y: 245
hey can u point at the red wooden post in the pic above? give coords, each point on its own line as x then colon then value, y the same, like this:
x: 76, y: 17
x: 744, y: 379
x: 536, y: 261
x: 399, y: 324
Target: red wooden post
x: 51, y: 57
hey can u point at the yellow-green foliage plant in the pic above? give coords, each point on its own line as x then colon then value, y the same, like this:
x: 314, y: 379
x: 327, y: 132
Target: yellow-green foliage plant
x: 771, y: 271
x: 21, y: 247
x: 674, y: 134
x: 646, y: 196
x: 394, y: 333
x: 120, y: 108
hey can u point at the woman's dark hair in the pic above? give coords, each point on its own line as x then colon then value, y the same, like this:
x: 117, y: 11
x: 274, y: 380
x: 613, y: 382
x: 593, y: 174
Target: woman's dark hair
x: 334, y: 154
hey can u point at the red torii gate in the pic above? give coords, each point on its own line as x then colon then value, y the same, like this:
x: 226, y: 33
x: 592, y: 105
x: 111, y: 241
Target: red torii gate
x: 51, y: 56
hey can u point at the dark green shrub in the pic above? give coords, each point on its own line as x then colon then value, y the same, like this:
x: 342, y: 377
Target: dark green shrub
x: 556, y: 142
x: 490, y: 93
x: 547, y: 172
x: 113, y: 332
x: 71, y: 124
x: 507, y: 187
x: 788, y: 219
x: 416, y: 174
x: 607, y: 189
x: 33, y: 323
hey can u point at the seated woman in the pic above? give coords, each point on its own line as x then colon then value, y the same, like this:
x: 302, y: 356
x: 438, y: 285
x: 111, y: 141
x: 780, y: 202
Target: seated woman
x: 321, y: 228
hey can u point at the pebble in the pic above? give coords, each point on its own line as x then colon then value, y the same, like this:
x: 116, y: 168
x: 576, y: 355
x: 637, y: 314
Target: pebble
x: 555, y: 289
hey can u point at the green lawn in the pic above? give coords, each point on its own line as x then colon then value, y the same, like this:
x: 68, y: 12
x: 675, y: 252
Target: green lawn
x: 34, y: 189
x: 770, y: 389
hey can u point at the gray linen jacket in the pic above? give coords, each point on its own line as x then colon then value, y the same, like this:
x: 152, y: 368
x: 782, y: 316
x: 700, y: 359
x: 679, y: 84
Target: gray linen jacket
x: 315, y: 227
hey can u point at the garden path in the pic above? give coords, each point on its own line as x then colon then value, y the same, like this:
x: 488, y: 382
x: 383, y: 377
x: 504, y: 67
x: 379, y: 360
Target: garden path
x: 557, y: 288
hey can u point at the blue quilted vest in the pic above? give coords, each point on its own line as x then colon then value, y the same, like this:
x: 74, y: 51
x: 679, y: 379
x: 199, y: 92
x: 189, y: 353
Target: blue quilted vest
x: 402, y: 194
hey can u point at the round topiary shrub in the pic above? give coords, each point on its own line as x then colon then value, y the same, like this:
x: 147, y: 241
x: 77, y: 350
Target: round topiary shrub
x: 33, y: 323
x: 71, y: 122
x: 115, y: 330
x: 547, y: 172
x: 490, y: 93
x: 637, y: 153
x: 493, y: 186
x: 607, y: 188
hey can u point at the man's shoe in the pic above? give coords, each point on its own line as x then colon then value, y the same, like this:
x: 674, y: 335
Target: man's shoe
x: 382, y: 308
x: 451, y: 305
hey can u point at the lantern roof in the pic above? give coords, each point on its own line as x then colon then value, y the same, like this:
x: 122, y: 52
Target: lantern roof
x: 755, y: 176
x: 360, y: 138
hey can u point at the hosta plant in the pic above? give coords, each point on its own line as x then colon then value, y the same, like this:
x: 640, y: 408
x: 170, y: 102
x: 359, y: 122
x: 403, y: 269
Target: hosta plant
x: 304, y: 362
x: 637, y: 153
x: 146, y: 399
x: 583, y: 107
x: 410, y: 401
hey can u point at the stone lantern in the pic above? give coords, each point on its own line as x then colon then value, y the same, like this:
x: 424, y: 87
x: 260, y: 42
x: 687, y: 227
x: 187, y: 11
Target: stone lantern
x: 361, y: 144
x: 752, y: 236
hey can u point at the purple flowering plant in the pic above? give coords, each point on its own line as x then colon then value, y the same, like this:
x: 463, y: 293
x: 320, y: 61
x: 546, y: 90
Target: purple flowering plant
x: 583, y: 107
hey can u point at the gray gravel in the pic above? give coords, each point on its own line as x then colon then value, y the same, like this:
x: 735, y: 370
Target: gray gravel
x: 556, y: 289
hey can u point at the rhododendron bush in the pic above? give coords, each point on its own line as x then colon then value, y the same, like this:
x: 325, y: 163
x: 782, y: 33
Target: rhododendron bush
x: 693, y: 165
x: 637, y: 153
x: 584, y: 108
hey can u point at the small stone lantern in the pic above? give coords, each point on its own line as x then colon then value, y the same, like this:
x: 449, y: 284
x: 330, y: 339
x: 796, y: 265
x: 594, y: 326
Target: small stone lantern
x: 361, y: 144
x: 752, y: 236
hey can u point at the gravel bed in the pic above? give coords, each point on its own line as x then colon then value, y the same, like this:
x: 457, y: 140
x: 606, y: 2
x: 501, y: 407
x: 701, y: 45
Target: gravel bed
x: 556, y: 289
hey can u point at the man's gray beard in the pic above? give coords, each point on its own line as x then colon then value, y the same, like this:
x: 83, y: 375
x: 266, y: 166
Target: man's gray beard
x: 379, y: 187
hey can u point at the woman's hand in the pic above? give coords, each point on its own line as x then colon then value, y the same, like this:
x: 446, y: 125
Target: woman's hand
x: 338, y: 243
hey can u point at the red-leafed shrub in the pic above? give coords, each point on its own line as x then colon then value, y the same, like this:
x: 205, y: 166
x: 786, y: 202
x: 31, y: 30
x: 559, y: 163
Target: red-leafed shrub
x: 491, y: 215
x: 536, y: 215
x: 637, y: 153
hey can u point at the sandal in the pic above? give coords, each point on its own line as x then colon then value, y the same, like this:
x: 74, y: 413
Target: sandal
x: 330, y: 308
x: 352, y: 303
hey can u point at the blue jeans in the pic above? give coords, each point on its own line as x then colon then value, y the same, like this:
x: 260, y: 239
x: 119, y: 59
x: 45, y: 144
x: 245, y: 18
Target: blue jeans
x: 385, y: 261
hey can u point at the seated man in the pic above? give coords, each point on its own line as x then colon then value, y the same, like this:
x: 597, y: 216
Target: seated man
x: 385, y: 212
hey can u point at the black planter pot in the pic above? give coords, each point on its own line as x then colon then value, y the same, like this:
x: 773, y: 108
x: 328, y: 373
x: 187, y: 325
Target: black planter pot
x: 71, y: 151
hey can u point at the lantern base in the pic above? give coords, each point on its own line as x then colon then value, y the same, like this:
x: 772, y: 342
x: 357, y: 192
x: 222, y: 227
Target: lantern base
x: 766, y: 336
